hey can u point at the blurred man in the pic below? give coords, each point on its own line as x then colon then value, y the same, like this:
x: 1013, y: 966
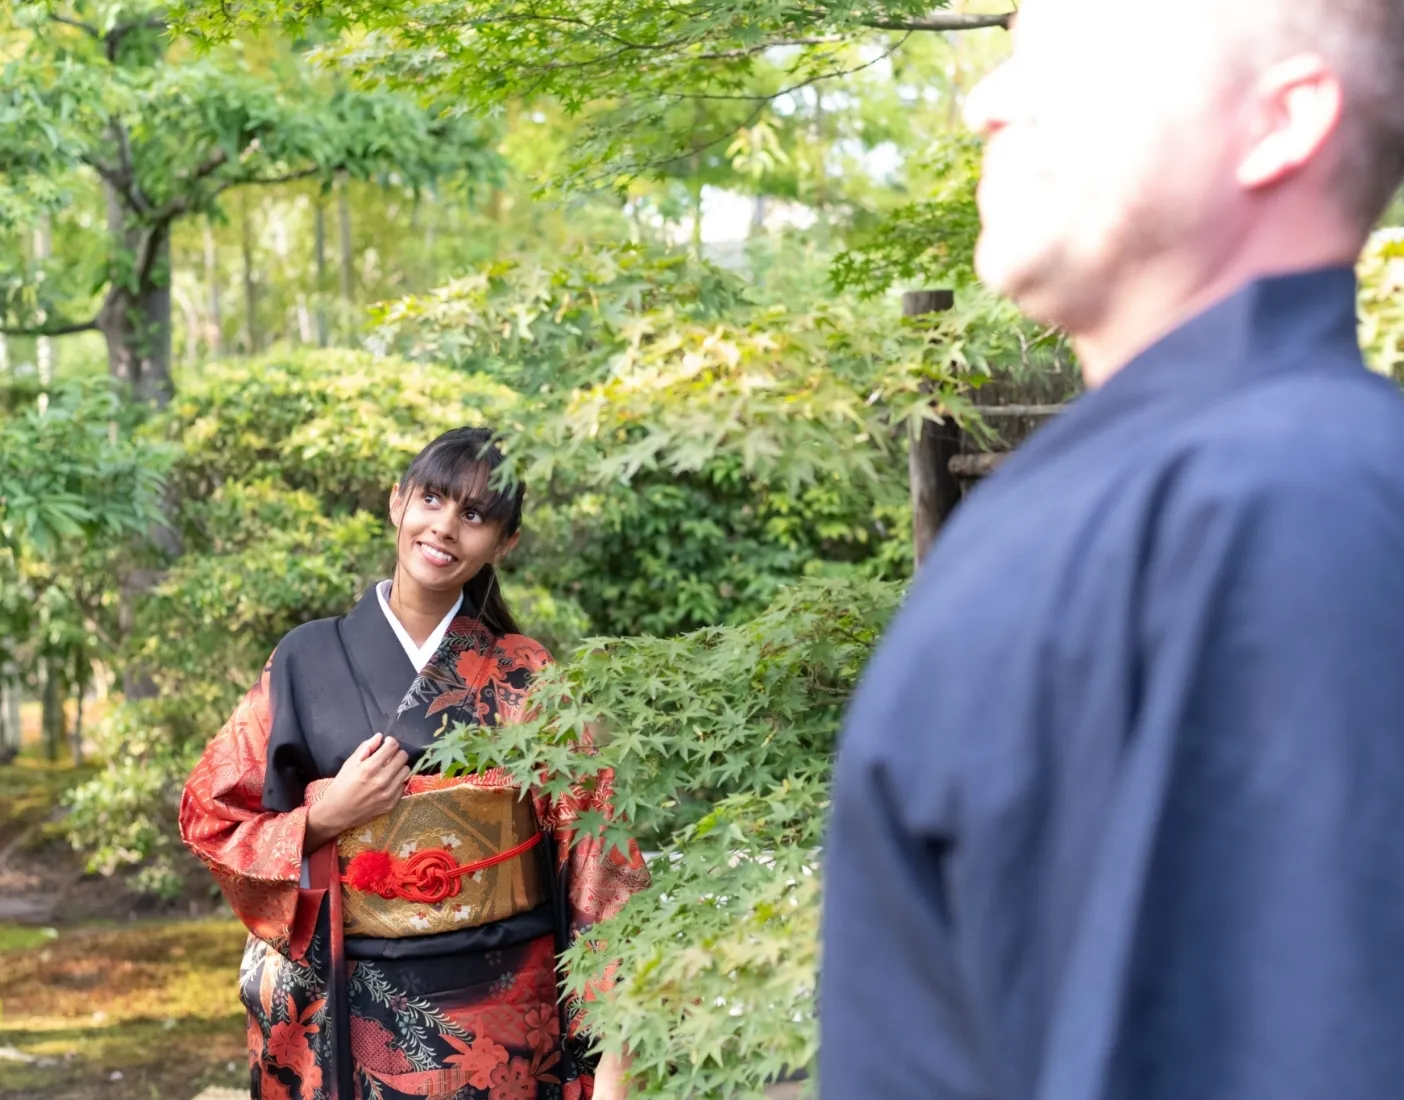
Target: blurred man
x: 1120, y: 805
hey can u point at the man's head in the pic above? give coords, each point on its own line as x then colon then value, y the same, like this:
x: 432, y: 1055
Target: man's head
x: 1179, y: 143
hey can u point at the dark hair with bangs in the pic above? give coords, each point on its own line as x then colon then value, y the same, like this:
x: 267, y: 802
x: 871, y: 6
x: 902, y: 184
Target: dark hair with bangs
x: 461, y: 465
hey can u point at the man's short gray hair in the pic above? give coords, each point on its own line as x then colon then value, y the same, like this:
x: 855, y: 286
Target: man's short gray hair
x: 1363, y: 41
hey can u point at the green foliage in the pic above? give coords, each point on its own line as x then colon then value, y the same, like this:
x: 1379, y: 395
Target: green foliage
x: 1381, y: 274
x: 922, y: 244
x: 727, y: 767
x: 71, y: 471
x: 79, y: 490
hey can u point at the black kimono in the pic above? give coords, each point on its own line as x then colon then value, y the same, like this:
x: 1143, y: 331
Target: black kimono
x: 1120, y: 804
x: 470, y: 1013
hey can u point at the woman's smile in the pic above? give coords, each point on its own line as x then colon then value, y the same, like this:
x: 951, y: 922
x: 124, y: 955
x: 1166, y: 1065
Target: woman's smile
x: 435, y: 555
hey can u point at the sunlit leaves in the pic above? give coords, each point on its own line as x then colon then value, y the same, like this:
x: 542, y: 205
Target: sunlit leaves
x: 1381, y: 307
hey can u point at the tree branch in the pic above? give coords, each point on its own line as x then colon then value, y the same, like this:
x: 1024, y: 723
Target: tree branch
x: 56, y: 328
x: 113, y: 39
x: 86, y: 28
x: 269, y: 181
x: 133, y: 189
x: 944, y: 21
x: 120, y: 182
x: 214, y: 161
x: 149, y: 249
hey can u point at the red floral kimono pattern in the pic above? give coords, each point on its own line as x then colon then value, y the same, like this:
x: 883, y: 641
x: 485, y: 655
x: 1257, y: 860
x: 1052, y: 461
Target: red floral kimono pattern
x: 480, y: 1026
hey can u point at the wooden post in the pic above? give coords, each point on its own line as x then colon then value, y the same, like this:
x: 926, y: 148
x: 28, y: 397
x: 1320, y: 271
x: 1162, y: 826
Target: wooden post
x: 935, y: 490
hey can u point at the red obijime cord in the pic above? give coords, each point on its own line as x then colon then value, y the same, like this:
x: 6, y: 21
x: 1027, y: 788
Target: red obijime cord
x: 426, y: 878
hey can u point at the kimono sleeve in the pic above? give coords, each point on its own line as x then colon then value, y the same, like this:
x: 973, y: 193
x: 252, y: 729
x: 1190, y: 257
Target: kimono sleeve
x: 1241, y: 940
x: 254, y: 854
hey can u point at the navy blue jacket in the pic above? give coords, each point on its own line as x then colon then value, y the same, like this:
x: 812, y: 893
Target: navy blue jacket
x: 1119, y: 812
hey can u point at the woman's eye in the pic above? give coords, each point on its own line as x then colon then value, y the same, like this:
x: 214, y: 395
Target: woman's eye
x: 472, y: 517
x: 431, y: 498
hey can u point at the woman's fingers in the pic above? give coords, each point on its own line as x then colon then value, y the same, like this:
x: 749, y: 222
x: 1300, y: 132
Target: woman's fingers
x: 368, y: 747
x: 387, y: 748
x: 384, y: 758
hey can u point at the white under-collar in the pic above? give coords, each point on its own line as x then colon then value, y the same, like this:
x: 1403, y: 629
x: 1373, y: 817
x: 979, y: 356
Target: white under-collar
x: 418, y: 655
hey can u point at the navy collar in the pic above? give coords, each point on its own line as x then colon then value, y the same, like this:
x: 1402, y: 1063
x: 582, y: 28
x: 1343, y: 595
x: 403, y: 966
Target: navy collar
x: 1272, y: 327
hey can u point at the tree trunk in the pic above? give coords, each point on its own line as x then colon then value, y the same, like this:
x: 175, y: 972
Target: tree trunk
x: 9, y: 725
x: 429, y: 271
x: 51, y: 715
x: 695, y: 187
x: 320, y: 247
x: 76, y: 740
x: 136, y: 321
x: 343, y: 213
x: 45, y: 353
x: 14, y: 697
x: 216, y: 332
x: 250, y: 290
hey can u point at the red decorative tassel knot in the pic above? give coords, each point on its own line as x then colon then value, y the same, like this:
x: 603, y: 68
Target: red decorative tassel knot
x: 428, y: 877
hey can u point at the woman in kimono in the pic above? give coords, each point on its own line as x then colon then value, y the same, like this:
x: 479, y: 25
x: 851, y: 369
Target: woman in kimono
x: 405, y: 927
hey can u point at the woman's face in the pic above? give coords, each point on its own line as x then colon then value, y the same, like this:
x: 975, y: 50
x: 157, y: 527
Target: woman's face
x: 442, y: 544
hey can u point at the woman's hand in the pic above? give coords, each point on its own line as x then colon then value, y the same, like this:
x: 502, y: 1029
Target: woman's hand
x: 611, y: 1077
x: 369, y: 784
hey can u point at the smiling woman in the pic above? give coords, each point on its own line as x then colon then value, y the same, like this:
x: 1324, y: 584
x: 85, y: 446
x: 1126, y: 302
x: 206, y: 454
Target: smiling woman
x: 404, y: 926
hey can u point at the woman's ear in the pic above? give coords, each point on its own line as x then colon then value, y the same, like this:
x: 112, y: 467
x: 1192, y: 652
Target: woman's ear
x: 397, y: 505
x: 505, y: 547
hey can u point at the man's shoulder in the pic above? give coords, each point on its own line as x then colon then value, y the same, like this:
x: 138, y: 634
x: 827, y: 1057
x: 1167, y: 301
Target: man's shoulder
x: 1340, y: 429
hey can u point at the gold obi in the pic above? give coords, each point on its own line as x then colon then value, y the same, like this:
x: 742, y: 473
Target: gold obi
x: 448, y: 856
